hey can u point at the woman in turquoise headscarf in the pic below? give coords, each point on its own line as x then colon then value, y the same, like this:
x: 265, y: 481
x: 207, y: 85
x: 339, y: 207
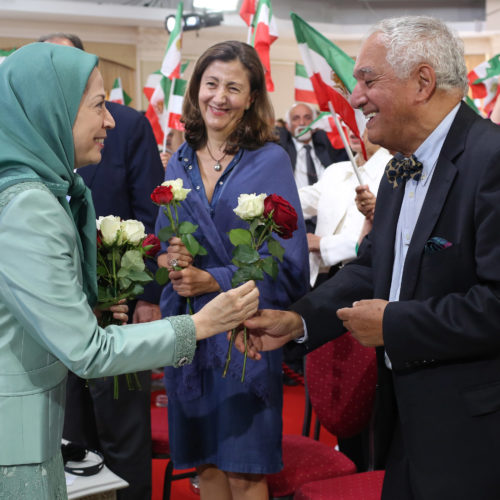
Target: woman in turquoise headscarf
x: 53, y: 120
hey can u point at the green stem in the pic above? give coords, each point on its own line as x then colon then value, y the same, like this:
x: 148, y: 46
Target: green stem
x: 264, y: 234
x: 190, y: 306
x: 228, y: 355
x: 115, y: 387
x: 115, y: 283
x: 168, y: 213
x: 246, y: 353
x: 176, y: 228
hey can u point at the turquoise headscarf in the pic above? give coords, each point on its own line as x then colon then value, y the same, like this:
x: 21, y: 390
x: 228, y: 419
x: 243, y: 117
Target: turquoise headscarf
x: 41, y: 86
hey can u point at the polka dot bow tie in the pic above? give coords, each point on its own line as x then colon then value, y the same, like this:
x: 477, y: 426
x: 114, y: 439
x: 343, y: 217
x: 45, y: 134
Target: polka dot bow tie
x: 401, y: 168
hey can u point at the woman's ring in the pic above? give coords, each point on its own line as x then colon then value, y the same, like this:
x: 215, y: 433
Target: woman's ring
x: 173, y: 262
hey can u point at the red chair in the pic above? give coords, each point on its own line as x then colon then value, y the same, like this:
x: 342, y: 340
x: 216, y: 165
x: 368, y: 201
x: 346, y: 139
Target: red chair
x: 363, y: 486
x: 340, y: 380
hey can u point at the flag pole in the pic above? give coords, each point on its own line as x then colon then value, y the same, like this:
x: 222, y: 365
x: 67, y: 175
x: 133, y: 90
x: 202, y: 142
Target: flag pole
x: 167, y: 115
x: 249, y: 33
x: 344, y: 141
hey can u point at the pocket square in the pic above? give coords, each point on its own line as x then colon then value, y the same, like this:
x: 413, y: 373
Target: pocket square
x: 435, y: 244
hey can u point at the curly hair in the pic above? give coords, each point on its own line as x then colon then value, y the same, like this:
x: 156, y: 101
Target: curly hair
x: 411, y: 40
x: 256, y: 126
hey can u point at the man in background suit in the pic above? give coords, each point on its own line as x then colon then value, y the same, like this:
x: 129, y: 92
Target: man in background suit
x: 316, y: 144
x: 429, y: 272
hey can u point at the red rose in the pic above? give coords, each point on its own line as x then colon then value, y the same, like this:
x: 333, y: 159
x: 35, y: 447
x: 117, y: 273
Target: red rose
x: 284, y: 215
x: 162, y: 195
x: 151, y: 239
x: 99, y: 238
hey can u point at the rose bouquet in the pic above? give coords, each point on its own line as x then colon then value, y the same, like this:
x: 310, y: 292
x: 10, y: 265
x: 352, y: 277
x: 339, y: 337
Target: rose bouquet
x: 169, y: 196
x: 265, y: 215
x: 122, y: 247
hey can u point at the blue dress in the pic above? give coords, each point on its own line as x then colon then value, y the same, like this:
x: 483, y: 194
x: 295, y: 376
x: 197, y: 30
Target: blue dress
x: 222, y: 421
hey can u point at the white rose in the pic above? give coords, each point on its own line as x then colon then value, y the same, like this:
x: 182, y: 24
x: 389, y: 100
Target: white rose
x: 110, y: 229
x: 132, y: 231
x: 178, y: 191
x: 250, y: 206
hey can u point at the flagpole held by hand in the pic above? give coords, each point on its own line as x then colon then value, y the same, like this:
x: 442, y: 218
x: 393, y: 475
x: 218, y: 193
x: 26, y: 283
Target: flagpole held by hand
x: 344, y: 141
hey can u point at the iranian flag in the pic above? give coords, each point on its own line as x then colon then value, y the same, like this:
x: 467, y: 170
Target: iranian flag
x: 171, y: 65
x: 152, y: 82
x: 322, y: 57
x: 4, y: 54
x: 117, y: 94
x: 247, y: 11
x: 483, y: 82
x: 325, y: 122
x: 264, y: 34
x: 174, y: 91
x: 304, y: 91
x: 163, y: 115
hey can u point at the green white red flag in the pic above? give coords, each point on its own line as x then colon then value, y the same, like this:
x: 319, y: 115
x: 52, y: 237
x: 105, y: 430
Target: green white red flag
x: 483, y: 83
x: 164, y: 115
x: 304, y: 91
x: 325, y: 122
x: 322, y: 57
x: 117, y: 94
x: 171, y: 65
x: 264, y: 34
x: 4, y: 54
x: 247, y: 11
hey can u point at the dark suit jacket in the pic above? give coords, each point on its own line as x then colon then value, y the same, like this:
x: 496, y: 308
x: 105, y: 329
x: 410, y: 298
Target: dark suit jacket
x: 129, y: 170
x: 324, y: 150
x: 443, y: 335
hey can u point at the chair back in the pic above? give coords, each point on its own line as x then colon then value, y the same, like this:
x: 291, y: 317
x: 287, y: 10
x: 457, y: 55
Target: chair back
x: 341, y: 377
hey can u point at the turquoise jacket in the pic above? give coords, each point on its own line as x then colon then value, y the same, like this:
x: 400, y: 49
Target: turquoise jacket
x: 47, y: 327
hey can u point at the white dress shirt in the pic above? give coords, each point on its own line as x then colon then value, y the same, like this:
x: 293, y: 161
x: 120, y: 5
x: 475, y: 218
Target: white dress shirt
x: 414, y: 197
x: 300, y: 172
x: 339, y: 222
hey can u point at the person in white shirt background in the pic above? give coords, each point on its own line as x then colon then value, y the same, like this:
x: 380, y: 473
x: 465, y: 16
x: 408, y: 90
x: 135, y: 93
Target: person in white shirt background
x: 332, y: 201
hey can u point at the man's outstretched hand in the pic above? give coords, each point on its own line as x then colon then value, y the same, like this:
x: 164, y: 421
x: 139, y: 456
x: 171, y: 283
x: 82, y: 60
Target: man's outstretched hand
x: 269, y: 329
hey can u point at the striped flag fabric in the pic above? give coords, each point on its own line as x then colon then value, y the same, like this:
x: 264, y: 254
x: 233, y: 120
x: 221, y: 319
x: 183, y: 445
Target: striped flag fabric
x: 304, y: 91
x: 171, y: 65
x: 247, y: 11
x: 155, y: 90
x: 4, y: 54
x: 152, y: 82
x: 264, y: 34
x: 483, y: 83
x: 325, y: 122
x: 173, y: 99
x: 117, y: 94
x: 328, y: 66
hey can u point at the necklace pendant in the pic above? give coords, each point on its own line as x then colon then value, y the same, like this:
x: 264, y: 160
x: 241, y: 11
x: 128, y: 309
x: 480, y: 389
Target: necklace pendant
x: 217, y: 167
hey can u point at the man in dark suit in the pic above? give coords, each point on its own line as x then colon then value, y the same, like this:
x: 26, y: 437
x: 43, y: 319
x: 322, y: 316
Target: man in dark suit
x: 425, y: 289
x: 316, y: 145
x: 121, y: 185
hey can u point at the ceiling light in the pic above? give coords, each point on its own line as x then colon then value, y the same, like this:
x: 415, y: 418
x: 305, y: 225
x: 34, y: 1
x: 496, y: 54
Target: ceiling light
x: 195, y: 21
x: 217, y: 5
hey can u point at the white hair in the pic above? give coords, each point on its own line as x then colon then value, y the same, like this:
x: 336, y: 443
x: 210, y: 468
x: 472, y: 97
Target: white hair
x: 412, y: 40
x: 288, y: 113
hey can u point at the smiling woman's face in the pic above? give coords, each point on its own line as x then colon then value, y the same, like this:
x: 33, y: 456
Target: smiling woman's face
x: 224, y: 96
x: 91, y: 123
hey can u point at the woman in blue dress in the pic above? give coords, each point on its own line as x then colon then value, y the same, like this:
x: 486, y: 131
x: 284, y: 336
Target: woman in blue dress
x: 229, y: 430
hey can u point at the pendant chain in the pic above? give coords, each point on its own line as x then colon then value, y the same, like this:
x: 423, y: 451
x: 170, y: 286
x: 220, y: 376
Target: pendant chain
x: 217, y: 166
